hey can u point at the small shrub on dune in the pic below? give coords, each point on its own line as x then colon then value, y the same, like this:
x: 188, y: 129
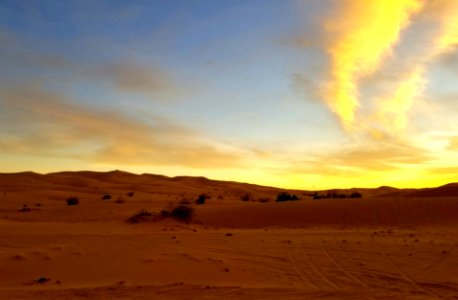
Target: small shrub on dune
x: 120, y: 200
x: 355, y: 195
x: 142, y: 216
x: 25, y: 208
x: 179, y: 212
x: 316, y: 196
x: 202, y: 198
x: 263, y: 200
x: 281, y: 197
x: 106, y: 197
x: 73, y: 201
x: 245, y: 197
x: 130, y: 194
x: 182, y: 213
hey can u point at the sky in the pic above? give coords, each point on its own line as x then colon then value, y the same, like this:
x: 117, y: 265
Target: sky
x: 287, y: 93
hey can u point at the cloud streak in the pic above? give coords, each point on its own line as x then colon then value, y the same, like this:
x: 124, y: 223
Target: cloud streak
x: 393, y: 109
x: 133, y: 77
x: 39, y: 122
x: 359, y: 38
x: 366, y: 39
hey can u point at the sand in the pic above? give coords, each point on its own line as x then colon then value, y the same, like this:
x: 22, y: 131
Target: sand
x: 390, y: 244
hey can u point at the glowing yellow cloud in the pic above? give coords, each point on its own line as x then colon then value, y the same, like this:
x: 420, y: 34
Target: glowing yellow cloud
x: 362, y: 35
x: 393, y: 111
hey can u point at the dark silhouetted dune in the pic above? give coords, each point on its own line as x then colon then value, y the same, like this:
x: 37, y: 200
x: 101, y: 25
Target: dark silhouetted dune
x: 448, y: 190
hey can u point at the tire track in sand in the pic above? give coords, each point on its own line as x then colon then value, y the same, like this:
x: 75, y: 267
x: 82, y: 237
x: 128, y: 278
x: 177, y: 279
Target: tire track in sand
x: 365, y: 269
x: 316, y: 269
x: 403, y: 273
x: 341, y: 268
x: 299, y: 268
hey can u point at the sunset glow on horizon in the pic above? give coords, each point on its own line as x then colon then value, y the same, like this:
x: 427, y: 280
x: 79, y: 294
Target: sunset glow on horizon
x: 294, y: 94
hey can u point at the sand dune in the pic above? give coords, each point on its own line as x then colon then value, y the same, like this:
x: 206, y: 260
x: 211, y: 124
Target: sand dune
x: 448, y: 190
x: 400, y: 246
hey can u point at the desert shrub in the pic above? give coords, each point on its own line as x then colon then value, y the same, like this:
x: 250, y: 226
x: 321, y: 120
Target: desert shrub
x: 130, y: 194
x: 263, y: 200
x: 201, y: 199
x: 42, y: 280
x: 106, y: 197
x: 73, y: 201
x: 182, y: 212
x: 120, y: 200
x: 281, y: 197
x: 355, y: 195
x: 25, y: 208
x: 246, y: 197
x: 141, y: 216
x: 319, y: 196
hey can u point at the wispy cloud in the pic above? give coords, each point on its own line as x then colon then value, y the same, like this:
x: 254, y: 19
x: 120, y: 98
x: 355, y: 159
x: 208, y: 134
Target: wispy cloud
x: 453, y: 143
x: 361, y: 158
x: 134, y: 77
x: 359, y: 38
x: 40, y: 122
x: 368, y: 46
x: 129, y: 76
x: 393, y: 109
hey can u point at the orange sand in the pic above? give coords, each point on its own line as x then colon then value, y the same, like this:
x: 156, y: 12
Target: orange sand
x: 390, y: 244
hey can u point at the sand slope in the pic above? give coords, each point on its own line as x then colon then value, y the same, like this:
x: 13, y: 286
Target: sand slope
x: 376, y: 247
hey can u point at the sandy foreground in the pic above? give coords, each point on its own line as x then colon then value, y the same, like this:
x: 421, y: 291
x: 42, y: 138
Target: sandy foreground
x: 376, y: 247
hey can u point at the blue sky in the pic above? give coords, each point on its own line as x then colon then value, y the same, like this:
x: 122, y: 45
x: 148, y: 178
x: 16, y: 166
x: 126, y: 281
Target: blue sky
x: 237, y: 90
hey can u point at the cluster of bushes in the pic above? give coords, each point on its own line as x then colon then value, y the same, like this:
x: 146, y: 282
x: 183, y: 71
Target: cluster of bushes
x: 180, y: 212
x: 141, y: 216
x: 336, y: 195
x: 247, y: 197
x: 281, y: 197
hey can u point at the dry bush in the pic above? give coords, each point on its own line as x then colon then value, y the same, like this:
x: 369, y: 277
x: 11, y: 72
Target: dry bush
x: 182, y: 213
x: 355, y: 195
x: 245, y: 197
x: 73, y: 201
x: 202, y: 198
x: 142, y: 216
x: 25, y: 208
x: 179, y: 212
x: 120, y: 200
x: 281, y: 197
